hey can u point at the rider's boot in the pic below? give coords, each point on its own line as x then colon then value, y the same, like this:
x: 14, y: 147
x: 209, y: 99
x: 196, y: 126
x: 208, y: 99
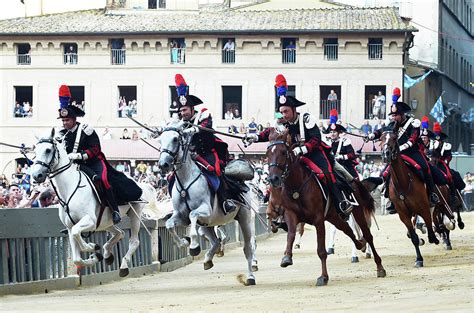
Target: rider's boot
x: 453, y: 200
x: 113, y: 206
x: 391, y: 208
x: 229, y: 206
x: 430, y: 186
x: 343, y: 207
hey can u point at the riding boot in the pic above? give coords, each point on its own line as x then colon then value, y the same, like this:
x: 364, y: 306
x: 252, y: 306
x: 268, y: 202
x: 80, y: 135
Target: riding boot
x: 343, y: 206
x: 430, y: 186
x: 113, y: 206
x: 453, y: 200
x: 228, y: 204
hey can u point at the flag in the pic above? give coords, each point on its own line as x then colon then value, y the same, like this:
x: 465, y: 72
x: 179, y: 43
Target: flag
x: 468, y: 117
x: 438, y: 111
x: 410, y: 82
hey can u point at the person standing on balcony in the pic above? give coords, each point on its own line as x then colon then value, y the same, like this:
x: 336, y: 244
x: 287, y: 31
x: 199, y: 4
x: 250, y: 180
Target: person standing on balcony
x: 229, y: 45
x: 381, y: 99
x: 332, y: 100
x: 291, y: 52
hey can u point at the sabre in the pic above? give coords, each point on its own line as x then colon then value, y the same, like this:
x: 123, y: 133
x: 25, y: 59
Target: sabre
x: 22, y: 147
x: 142, y: 125
x: 212, y: 131
x: 157, y: 149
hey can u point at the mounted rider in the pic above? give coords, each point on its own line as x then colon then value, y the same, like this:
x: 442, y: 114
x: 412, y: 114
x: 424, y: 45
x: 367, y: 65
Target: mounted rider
x: 341, y: 146
x: 408, y: 130
x: 83, y: 147
x: 302, y: 127
x: 210, y: 152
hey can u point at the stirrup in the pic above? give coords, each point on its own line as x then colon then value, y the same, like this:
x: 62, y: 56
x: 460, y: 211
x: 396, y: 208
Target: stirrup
x: 349, y: 207
x: 229, y: 206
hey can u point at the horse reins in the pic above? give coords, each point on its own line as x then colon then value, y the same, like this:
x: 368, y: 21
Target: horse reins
x: 284, y: 168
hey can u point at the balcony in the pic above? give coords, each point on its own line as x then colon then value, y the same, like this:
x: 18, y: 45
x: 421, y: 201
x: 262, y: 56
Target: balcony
x: 228, y: 56
x: 375, y: 51
x: 70, y: 58
x: 118, y: 56
x: 178, y: 55
x: 374, y: 110
x: 288, y: 55
x: 331, y: 51
x: 325, y: 107
x: 23, y: 59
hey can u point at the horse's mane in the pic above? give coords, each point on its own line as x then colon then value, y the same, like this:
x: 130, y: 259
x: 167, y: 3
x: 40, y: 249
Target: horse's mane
x: 276, y: 134
x: 175, y: 123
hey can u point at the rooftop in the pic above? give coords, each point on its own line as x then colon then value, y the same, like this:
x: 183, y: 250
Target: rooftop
x: 100, y: 21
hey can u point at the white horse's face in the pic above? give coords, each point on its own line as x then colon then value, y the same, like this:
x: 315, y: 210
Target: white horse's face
x: 170, y: 141
x: 46, y: 158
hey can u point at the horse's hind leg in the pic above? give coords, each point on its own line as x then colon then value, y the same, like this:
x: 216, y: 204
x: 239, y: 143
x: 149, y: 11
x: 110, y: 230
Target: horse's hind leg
x: 334, y: 219
x: 299, y: 235
x: 413, y: 236
x: 134, y: 241
x: 292, y: 223
x: 426, y: 216
x: 117, y: 235
x: 222, y: 235
x: 211, y: 235
x: 248, y: 232
x: 83, y: 225
x: 322, y: 253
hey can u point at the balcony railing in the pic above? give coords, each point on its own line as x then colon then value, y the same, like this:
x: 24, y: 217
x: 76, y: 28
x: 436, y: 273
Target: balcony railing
x: 178, y: 55
x: 70, y: 58
x: 375, y: 51
x: 118, y: 56
x: 326, y: 106
x: 288, y: 56
x: 374, y: 110
x: 331, y: 51
x: 228, y: 56
x: 24, y: 59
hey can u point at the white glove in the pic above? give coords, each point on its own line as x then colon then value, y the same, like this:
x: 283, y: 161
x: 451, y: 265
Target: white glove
x: 300, y: 150
x: 191, y: 130
x: 339, y: 157
x: 75, y: 156
x: 405, y: 146
x: 249, y: 139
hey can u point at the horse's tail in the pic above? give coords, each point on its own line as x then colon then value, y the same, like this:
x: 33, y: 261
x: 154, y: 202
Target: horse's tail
x: 149, y: 195
x: 372, y: 183
x: 365, y: 200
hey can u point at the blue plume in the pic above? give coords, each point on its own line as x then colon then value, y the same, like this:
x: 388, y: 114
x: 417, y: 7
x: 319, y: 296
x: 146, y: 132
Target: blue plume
x: 63, y: 102
x: 182, y: 90
x: 332, y: 119
x: 281, y: 91
x: 395, y: 98
x: 424, y: 124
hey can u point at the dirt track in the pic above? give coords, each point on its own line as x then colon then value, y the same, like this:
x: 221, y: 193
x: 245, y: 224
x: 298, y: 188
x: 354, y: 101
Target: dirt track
x: 446, y: 283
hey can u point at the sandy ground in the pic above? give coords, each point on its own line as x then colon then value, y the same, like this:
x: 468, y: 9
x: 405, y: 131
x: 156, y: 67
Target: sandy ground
x: 446, y: 283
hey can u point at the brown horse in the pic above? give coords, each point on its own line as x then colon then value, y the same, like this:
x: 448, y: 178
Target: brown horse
x: 407, y: 192
x: 298, y: 195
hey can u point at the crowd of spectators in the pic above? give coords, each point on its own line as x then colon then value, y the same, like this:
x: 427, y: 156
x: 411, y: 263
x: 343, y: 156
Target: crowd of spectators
x: 24, y: 109
x: 250, y: 128
x: 127, y: 108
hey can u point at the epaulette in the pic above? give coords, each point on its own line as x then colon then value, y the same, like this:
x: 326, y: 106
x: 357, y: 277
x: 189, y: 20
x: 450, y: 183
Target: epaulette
x: 87, y: 129
x: 416, y: 123
x: 346, y: 141
x: 309, y: 121
x: 204, y: 115
x: 446, y: 146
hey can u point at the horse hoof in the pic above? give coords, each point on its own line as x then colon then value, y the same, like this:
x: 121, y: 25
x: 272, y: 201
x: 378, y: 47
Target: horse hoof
x: 364, y: 248
x: 187, y: 239
x: 99, y: 256
x: 322, y: 281
x: 110, y: 260
x: 368, y: 256
x: 355, y: 259
x: 461, y: 224
x: 251, y: 282
x: 195, y: 251
x: 220, y: 254
x: 381, y: 273
x: 286, y: 261
x: 449, y: 247
x: 96, y: 247
x: 418, y: 264
x: 434, y: 240
x: 123, y: 272
x: 297, y: 246
x: 255, y: 268
x: 422, y: 242
x: 330, y: 251
x: 208, y: 265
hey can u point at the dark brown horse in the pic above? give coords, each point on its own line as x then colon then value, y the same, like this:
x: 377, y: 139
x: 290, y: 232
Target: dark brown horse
x: 298, y: 196
x: 407, y: 192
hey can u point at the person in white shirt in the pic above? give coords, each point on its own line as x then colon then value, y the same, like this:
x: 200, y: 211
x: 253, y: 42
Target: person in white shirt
x: 229, y: 46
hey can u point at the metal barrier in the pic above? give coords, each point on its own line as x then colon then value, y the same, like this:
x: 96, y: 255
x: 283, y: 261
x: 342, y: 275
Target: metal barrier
x: 33, y: 249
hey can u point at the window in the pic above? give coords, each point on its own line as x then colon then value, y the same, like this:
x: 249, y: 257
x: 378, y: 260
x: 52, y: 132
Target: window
x: 23, y: 54
x: 232, y: 102
x: 23, y: 106
x: 290, y: 92
x: 77, y: 96
x: 330, y: 98
x: 375, y: 48
x: 162, y: 4
x: 178, y: 50
x: 152, y: 4
x: 117, y: 51
x: 70, y: 53
x: 228, y: 50
x: 127, y: 102
x: 331, y: 47
x: 289, y: 50
x: 375, y: 102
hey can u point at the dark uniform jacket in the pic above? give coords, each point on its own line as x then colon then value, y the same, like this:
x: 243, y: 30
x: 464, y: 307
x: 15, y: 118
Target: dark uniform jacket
x: 349, y: 158
x: 408, y: 135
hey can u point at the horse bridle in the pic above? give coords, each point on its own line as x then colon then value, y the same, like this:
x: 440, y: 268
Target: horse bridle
x: 174, y: 154
x: 50, y: 173
x: 393, y: 152
x: 285, y: 167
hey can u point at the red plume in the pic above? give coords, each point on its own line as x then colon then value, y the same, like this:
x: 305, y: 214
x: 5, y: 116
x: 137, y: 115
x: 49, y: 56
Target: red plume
x: 436, y: 127
x: 425, y: 119
x: 179, y: 80
x: 280, y: 81
x: 396, y: 91
x: 64, y: 91
x: 333, y: 112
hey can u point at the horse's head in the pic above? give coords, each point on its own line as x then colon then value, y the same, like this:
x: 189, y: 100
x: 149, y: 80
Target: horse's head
x: 279, y: 157
x: 390, y: 149
x: 47, y: 158
x: 171, y: 140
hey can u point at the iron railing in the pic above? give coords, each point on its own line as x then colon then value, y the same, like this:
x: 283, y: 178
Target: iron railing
x: 374, y: 110
x: 23, y: 59
x: 331, y: 51
x: 375, y: 51
x: 178, y: 55
x: 228, y: 56
x: 288, y: 56
x: 70, y: 58
x: 325, y: 107
x: 118, y: 56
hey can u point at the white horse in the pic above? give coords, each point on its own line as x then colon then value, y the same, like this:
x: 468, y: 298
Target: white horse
x: 193, y: 202
x: 80, y: 208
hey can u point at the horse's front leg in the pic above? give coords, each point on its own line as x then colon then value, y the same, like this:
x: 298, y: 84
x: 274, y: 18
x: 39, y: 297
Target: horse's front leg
x: 211, y: 235
x: 247, y: 226
x: 134, y: 241
x: 322, y: 253
x: 202, y: 211
x: 171, y: 224
x: 117, y: 235
x: 334, y: 219
x: 292, y: 222
x: 86, y: 224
